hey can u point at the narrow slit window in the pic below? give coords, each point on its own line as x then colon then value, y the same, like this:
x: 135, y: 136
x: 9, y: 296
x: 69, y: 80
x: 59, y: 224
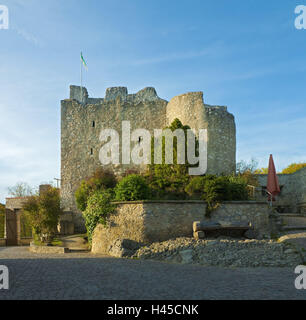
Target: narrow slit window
x: 91, y: 151
x: 93, y: 124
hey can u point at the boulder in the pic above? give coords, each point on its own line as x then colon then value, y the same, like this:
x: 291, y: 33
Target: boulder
x: 186, y: 256
x: 121, y: 248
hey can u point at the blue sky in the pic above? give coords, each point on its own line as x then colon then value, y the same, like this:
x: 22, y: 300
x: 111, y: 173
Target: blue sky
x: 243, y: 54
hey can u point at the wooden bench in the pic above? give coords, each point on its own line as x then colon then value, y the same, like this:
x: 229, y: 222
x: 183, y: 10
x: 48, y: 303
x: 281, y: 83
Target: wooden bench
x: 203, y: 229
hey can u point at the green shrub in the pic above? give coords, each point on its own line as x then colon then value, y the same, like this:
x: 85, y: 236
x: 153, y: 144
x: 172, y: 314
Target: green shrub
x: 214, y: 189
x: 195, y: 188
x: 42, y: 213
x: 82, y: 194
x: 98, y: 208
x: 101, y: 180
x: 224, y: 188
x: 168, y: 182
x: 131, y: 188
x: 238, y: 188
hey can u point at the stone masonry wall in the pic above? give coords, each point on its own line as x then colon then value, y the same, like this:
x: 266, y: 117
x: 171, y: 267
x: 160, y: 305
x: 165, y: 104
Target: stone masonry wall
x: 293, y: 192
x: 83, y: 118
x: 221, y: 148
x: 257, y: 213
x: 148, y: 222
x: 15, y: 203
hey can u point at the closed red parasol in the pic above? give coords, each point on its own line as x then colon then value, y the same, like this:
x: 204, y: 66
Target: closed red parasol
x: 272, y: 184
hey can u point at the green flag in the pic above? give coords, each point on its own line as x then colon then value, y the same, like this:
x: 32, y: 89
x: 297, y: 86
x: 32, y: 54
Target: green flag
x: 84, y: 62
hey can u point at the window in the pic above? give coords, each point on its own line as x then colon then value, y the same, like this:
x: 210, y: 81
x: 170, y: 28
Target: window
x: 91, y: 151
x: 93, y: 124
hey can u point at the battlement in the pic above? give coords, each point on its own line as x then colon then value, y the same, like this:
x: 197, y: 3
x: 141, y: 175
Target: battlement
x: 78, y: 93
x: 145, y: 95
x: 115, y: 92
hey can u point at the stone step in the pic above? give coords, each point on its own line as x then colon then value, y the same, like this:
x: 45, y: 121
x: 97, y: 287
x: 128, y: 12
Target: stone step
x: 288, y: 214
x: 293, y: 220
x: 293, y: 228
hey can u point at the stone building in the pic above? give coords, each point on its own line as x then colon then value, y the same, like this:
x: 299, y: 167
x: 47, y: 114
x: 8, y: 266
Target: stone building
x: 292, y: 198
x: 83, y: 118
x: 16, y: 232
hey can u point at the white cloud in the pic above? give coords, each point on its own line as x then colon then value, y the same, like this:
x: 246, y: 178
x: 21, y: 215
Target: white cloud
x: 209, y: 50
x: 27, y: 36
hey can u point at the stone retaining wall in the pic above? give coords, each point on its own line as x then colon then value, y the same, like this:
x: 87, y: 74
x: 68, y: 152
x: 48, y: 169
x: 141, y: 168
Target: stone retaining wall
x: 257, y: 213
x: 21, y: 242
x: 25, y: 241
x: 146, y: 222
x: 45, y: 249
x: 302, y: 207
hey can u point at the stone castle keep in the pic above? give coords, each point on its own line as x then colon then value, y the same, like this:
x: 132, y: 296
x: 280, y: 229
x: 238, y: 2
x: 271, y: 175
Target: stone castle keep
x: 83, y: 118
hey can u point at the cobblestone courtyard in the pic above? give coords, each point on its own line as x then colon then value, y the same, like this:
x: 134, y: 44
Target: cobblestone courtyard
x: 84, y: 276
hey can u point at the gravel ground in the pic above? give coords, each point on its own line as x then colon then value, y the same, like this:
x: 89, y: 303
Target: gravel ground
x: 224, y: 253
x: 87, y: 276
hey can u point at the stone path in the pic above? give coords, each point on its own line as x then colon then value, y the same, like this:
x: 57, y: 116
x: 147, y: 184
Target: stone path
x: 295, y: 237
x: 74, y: 242
x: 85, y: 276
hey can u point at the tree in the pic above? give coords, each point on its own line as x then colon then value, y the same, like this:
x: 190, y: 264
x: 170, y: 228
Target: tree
x: 21, y: 189
x: 261, y: 171
x: 42, y: 212
x: 294, y: 167
x: 247, y: 171
x: 243, y: 166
